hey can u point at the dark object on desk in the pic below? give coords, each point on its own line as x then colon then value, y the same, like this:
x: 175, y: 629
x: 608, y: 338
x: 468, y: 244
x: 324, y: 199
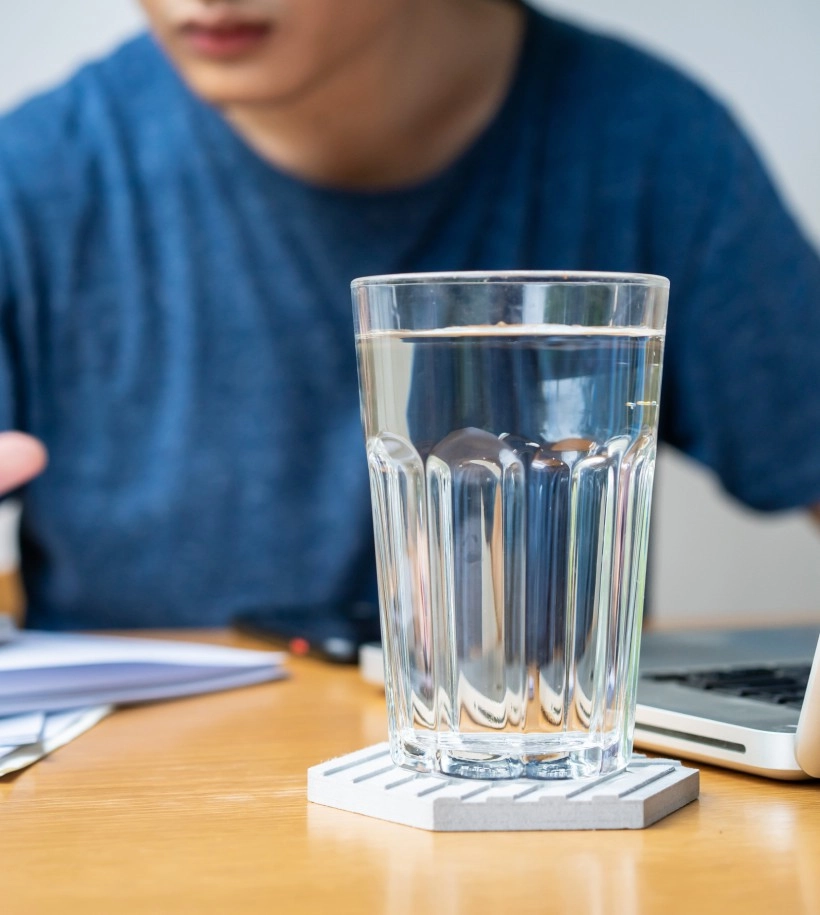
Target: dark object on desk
x: 332, y: 631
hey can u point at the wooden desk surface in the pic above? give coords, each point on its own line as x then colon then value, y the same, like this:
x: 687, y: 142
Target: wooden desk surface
x: 198, y: 805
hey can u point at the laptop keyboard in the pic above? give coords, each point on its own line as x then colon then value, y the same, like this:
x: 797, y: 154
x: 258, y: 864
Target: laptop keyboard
x: 784, y: 685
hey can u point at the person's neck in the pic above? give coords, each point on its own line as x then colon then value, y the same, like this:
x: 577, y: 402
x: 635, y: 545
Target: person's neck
x: 405, y: 109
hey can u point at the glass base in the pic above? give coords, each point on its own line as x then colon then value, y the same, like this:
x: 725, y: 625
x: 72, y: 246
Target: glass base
x: 507, y: 756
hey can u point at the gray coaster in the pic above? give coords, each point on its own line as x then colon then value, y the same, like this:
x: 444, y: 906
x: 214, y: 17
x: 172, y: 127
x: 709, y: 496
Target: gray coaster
x: 368, y: 782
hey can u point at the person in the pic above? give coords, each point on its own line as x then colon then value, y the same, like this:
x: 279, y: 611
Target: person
x: 180, y: 222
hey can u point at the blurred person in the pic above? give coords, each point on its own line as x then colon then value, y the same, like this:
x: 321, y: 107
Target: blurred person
x: 180, y: 222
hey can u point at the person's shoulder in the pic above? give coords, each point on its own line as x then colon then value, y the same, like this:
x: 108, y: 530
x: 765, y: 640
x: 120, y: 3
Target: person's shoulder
x: 604, y: 77
x: 47, y: 138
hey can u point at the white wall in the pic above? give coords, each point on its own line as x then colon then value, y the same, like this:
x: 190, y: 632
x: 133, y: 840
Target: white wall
x: 42, y: 41
x: 712, y: 557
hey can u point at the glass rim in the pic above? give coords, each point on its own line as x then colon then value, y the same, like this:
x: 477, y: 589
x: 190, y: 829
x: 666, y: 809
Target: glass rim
x: 529, y: 277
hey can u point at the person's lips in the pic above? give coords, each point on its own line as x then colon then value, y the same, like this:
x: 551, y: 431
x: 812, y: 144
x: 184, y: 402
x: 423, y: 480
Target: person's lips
x: 225, y: 39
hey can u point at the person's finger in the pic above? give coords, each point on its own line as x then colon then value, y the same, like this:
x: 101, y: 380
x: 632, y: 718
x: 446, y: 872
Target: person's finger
x: 21, y: 458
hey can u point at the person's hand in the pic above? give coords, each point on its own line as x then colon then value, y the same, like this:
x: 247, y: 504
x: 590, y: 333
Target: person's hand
x: 21, y: 458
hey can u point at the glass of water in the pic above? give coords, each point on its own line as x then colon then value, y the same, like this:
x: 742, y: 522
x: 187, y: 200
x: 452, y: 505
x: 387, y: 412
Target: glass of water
x: 511, y: 426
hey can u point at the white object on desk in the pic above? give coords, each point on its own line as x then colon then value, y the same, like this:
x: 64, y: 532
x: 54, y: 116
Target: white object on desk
x: 46, y: 671
x: 17, y: 730
x: 368, y: 782
x: 58, y: 729
x: 807, y: 739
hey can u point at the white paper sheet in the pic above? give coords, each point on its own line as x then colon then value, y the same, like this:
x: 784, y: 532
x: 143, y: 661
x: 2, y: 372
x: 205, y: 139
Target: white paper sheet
x: 44, y: 672
x: 17, y: 730
x: 59, y: 729
x: 32, y: 649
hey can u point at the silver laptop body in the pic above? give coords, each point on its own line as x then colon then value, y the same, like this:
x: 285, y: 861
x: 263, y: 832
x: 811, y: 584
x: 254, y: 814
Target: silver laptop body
x: 725, y: 697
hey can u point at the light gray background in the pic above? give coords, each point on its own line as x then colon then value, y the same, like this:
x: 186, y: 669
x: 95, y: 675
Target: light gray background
x: 713, y: 558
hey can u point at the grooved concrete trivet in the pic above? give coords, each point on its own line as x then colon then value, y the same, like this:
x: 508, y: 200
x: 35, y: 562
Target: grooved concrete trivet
x: 367, y: 782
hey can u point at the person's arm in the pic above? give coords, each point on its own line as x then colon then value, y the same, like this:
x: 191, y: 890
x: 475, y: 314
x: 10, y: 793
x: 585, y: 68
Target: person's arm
x: 740, y: 392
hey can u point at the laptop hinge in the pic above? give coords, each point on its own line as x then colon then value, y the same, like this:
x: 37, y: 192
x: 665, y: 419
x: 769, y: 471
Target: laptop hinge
x: 807, y: 740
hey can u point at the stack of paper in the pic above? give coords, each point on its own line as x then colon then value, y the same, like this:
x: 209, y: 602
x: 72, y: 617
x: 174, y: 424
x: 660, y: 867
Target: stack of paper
x: 26, y: 738
x: 54, y: 686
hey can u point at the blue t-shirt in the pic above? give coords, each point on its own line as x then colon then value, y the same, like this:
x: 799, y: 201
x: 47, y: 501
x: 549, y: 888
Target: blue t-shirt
x: 176, y: 318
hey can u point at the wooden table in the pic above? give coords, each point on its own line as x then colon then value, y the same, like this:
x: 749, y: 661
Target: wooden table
x: 198, y: 805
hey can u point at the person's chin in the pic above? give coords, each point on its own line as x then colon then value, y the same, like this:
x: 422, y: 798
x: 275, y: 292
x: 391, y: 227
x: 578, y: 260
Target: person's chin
x: 249, y: 82
x: 234, y: 84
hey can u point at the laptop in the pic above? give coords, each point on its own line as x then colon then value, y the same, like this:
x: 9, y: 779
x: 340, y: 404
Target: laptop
x: 748, y: 699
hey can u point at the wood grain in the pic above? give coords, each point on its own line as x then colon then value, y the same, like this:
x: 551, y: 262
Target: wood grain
x: 199, y: 806
x: 12, y: 596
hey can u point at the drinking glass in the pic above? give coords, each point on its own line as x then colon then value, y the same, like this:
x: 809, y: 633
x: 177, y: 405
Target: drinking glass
x: 511, y: 425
